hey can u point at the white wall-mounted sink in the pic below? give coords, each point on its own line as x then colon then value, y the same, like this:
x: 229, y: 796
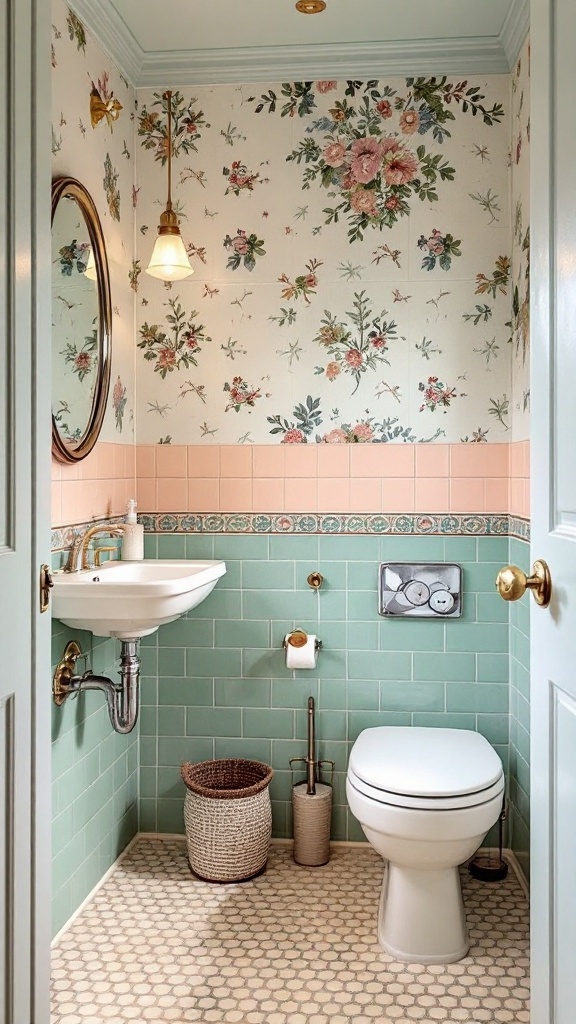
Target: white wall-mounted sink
x: 131, y: 599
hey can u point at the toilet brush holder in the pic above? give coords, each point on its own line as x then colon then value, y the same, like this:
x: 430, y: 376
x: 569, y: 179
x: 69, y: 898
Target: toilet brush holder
x: 311, y: 816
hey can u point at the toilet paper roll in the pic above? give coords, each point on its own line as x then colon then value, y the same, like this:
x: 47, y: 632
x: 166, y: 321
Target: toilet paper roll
x: 302, y: 657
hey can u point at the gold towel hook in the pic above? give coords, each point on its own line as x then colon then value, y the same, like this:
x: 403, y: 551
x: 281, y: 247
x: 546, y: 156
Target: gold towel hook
x: 315, y: 580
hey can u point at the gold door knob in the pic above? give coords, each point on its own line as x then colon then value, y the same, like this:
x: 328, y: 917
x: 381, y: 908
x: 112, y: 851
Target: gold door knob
x: 512, y: 583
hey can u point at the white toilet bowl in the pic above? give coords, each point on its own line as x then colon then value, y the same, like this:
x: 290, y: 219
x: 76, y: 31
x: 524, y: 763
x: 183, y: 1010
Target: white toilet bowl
x: 425, y: 799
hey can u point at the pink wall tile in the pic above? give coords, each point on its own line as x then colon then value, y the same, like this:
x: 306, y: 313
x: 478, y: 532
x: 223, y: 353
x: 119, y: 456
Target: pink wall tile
x: 267, y: 495
x: 56, y: 513
x: 431, y: 495
x: 525, y: 500
x: 235, y: 495
x: 516, y: 459
x: 268, y: 460
x: 172, y: 494
x: 204, y: 495
x: 477, y: 460
x: 171, y: 461
x: 467, y: 495
x: 333, y: 494
x: 525, y: 445
x: 203, y: 460
x: 432, y: 460
x: 496, y: 496
x: 398, y: 494
x: 118, y: 461
x: 235, y: 461
x: 366, y: 494
x: 300, y: 494
x: 333, y: 460
x: 146, y: 494
x: 146, y: 460
x: 301, y: 460
x: 384, y: 460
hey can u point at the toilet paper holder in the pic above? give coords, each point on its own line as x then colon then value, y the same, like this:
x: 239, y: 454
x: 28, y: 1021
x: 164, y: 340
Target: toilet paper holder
x: 298, y: 638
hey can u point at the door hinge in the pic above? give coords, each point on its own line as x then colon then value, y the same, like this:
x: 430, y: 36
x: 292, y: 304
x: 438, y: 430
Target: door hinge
x: 46, y: 584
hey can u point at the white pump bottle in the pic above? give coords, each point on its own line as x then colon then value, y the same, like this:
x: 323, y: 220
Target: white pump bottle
x: 133, y: 540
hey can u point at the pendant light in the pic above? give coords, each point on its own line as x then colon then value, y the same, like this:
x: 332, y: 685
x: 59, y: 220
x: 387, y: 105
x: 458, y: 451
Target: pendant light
x: 169, y: 260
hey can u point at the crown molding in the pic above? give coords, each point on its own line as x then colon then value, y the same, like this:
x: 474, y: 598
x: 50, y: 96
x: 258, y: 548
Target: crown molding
x: 461, y: 56
x: 515, y: 30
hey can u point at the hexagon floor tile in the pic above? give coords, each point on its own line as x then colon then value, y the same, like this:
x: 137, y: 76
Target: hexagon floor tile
x: 294, y: 946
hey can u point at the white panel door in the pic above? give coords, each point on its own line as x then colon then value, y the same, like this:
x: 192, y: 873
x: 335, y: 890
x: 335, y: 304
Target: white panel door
x: 24, y: 488
x: 553, y: 630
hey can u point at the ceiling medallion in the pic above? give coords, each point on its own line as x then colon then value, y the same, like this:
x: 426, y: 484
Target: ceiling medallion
x: 310, y: 6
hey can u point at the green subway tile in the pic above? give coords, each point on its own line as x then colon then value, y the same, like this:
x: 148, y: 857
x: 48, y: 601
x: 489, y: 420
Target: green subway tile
x: 301, y: 548
x: 494, y: 727
x: 344, y: 548
x: 493, y: 549
x: 363, y: 694
x: 172, y: 545
x: 481, y: 576
x: 171, y: 661
x: 363, y: 606
x: 413, y: 635
x: 354, y: 831
x: 62, y: 908
x: 107, y: 752
x: 170, y: 784
x: 232, y: 578
x: 264, y: 664
x: 363, y: 636
x: 335, y: 576
x: 444, y: 666
x: 330, y: 725
x: 477, y: 697
x: 410, y: 696
x: 62, y: 830
x: 268, y: 723
x: 520, y: 616
x: 200, y: 547
x: 379, y: 665
x: 520, y: 553
x: 240, y: 546
x: 332, y: 633
x: 520, y: 647
x: 220, y: 604
x: 279, y: 819
x: 330, y: 665
x: 229, y: 633
x: 338, y: 826
x: 523, y: 743
x: 148, y: 750
x: 205, y: 661
x: 360, y: 720
x: 200, y: 633
x: 186, y: 692
x: 333, y: 605
x: 148, y: 721
x: 276, y: 604
x: 443, y: 720
x: 171, y: 817
x: 150, y: 545
x: 333, y: 750
x: 283, y: 750
x: 332, y: 694
x: 523, y: 712
x: 281, y: 786
x: 250, y: 746
x: 363, y: 576
x: 175, y: 634
x: 492, y: 668
x: 148, y: 783
x: 460, y: 549
x: 521, y: 771
x: 173, y: 751
x: 478, y: 637
x: 491, y: 608
x: 213, y: 722
x: 268, y: 575
x: 520, y: 678
x: 171, y: 721
x: 293, y: 693
x: 409, y: 549
x: 148, y: 661
x: 147, y: 816
x: 242, y: 693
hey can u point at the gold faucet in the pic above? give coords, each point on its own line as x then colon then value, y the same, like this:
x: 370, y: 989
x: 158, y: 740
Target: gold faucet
x: 78, y: 555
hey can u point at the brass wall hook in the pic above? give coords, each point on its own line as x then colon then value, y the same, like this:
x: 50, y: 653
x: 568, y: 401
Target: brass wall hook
x: 315, y: 580
x: 512, y: 583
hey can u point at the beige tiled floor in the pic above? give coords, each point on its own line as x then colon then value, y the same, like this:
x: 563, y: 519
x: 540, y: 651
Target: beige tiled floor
x: 295, y: 946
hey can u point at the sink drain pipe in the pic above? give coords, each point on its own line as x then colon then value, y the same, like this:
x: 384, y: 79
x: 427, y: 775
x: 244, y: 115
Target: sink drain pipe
x: 121, y: 697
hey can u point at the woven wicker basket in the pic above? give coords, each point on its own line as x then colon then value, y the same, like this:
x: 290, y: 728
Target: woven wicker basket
x: 228, y: 818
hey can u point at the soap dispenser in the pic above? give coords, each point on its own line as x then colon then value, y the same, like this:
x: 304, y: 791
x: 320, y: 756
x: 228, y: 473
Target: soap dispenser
x: 133, y: 541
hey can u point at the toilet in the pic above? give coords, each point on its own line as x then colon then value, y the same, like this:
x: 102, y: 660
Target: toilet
x: 425, y: 799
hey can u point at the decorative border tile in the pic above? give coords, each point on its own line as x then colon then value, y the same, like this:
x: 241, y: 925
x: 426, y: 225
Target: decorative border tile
x: 420, y: 525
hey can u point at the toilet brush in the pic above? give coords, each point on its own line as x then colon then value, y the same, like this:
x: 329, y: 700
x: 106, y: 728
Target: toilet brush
x: 484, y: 867
x: 311, y: 805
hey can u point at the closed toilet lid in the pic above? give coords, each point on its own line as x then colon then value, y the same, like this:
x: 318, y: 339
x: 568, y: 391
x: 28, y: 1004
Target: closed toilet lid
x: 428, y: 763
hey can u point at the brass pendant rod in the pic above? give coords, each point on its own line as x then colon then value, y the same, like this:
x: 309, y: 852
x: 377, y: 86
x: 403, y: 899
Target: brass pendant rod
x: 168, y: 96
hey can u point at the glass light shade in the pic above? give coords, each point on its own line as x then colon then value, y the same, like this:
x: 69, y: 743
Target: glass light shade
x: 169, y: 260
x: 90, y: 271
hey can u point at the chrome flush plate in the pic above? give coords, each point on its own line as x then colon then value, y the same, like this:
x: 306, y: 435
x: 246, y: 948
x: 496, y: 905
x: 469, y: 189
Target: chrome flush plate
x: 427, y: 590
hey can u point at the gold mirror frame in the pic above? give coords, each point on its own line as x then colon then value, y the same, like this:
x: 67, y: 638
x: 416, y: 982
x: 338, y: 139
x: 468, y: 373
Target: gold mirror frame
x: 62, y: 451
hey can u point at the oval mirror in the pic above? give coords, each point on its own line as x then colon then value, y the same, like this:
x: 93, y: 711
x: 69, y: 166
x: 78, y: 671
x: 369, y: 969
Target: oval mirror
x: 81, y: 322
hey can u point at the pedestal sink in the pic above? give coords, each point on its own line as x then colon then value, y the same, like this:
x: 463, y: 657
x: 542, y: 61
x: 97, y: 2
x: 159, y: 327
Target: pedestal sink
x: 129, y: 600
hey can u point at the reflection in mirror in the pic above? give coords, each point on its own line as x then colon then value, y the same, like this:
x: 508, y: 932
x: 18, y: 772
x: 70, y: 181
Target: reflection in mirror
x: 81, y: 322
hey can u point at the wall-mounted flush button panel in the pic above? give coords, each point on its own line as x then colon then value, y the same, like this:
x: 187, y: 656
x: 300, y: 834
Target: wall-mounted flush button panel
x: 420, y: 589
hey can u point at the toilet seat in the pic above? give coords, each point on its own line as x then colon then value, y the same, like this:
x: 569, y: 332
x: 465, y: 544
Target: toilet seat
x: 425, y: 769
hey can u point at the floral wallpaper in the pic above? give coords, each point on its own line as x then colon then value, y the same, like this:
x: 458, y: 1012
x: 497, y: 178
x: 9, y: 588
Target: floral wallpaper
x: 93, y: 111
x: 520, y: 282
x: 351, y: 245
